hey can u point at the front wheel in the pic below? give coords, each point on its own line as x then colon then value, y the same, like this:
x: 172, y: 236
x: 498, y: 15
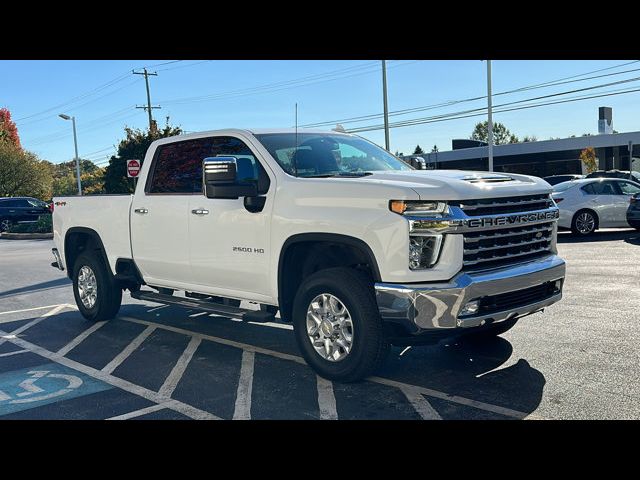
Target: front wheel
x: 337, y: 325
x: 97, y: 293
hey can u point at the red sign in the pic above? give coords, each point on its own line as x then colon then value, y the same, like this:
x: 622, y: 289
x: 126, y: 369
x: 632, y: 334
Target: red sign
x: 133, y: 168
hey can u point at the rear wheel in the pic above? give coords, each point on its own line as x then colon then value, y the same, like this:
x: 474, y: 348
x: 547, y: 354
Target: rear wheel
x: 5, y: 224
x: 584, y: 222
x: 97, y: 293
x: 338, y: 326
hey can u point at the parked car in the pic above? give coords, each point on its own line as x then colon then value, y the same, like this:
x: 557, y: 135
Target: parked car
x: 633, y: 212
x: 623, y: 174
x: 20, y: 209
x: 591, y: 203
x: 556, y: 179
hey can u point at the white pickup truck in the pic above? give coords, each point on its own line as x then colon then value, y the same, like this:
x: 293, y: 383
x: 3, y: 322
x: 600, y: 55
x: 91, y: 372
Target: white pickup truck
x: 354, y: 247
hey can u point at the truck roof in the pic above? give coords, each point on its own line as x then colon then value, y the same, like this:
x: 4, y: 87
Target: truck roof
x: 235, y: 131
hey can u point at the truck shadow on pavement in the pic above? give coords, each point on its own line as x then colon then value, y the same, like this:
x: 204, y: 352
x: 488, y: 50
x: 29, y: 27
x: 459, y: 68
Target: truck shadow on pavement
x: 465, y: 368
x: 629, y: 236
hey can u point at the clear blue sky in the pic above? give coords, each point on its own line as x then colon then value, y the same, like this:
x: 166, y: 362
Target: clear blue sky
x: 263, y: 93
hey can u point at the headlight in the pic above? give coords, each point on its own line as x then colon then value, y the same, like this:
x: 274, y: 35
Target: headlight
x: 417, y: 207
x: 424, y: 251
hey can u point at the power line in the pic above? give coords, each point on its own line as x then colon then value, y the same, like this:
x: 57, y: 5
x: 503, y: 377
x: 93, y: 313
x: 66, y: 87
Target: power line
x: 482, y: 111
x: 550, y: 83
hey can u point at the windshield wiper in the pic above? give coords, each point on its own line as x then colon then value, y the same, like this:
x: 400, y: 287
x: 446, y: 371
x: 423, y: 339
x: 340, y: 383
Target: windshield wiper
x: 339, y: 174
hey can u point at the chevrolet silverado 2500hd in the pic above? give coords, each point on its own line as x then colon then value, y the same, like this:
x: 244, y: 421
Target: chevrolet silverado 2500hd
x: 354, y: 247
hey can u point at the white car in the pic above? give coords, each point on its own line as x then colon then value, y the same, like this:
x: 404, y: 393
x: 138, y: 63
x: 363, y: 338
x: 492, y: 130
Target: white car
x: 588, y: 204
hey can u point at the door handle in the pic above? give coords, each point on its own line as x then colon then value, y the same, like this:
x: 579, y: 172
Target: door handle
x: 141, y: 211
x: 200, y: 211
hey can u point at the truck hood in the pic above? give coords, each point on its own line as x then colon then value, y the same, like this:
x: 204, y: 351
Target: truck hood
x: 460, y: 184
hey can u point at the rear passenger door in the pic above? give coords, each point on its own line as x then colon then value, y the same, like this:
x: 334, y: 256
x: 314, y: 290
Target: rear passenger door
x: 160, y: 214
x: 601, y: 197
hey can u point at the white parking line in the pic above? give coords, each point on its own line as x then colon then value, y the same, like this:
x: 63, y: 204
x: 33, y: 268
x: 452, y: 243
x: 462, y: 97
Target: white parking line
x: 384, y: 381
x: 198, y: 314
x: 155, y: 397
x: 157, y: 308
x: 16, y: 352
x: 79, y: 339
x: 420, y: 404
x: 122, y: 356
x: 27, y: 310
x: 326, y: 399
x: 18, y: 331
x: 242, y: 409
x: 139, y: 413
x: 174, y: 377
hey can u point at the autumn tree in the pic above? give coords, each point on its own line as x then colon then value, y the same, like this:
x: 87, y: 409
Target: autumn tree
x: 64, y: 178
x: 22, y: 173
x: 133, y: 146
x: 501, y: 134
x: 589, y: 159
x: 8, y: 129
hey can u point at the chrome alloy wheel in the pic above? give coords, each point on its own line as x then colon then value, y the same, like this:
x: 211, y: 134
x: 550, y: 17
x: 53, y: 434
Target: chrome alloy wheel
x: 87, y: 287
x: 585, y: 223
x: 329, y: 327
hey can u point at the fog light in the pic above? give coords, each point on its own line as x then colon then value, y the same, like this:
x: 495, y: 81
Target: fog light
x: 558, y: 285
x: 471, y: 308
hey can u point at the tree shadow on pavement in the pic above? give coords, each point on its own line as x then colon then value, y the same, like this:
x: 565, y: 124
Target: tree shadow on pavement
x: 36, y: 287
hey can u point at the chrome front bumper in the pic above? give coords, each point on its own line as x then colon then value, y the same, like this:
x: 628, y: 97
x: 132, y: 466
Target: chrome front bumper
x: 433, y: 307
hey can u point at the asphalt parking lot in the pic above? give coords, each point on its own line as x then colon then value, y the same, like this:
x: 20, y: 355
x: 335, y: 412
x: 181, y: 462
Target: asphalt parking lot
x: 577, y: 360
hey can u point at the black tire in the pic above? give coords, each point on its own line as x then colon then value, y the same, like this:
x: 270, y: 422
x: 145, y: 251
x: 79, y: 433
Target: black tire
x: 355, y: 291
x: 578, y: 216
x: 490, y: 332
x: 109, y: 293
x: 5, y: 224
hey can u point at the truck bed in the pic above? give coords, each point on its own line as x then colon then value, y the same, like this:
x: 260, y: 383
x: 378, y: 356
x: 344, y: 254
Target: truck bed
x: 107, y: 215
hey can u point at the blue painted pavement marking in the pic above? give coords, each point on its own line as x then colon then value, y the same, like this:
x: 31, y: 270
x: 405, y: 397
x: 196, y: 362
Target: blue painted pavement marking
x: 36, y: 386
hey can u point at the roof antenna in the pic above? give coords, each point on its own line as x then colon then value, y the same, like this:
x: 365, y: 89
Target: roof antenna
x: 293, y: 158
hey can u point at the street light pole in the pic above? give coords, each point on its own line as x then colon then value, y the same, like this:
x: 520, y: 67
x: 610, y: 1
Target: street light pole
x: 386, y: 108
x: 490, y: 119
x: 75, y: 144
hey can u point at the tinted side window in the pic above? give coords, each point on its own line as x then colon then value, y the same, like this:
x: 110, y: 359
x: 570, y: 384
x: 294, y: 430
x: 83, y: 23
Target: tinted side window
x: 178, y: 166
x: 600, y: 188
x: 588, y: 189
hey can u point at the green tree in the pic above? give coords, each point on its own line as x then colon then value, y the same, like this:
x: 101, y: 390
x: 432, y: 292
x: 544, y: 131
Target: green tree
x: 22, y: 173
x: 588, y: 157
x: 133, y: 146
x: 64, y: 178
x: 418, y: 150
x: 530, y: 138
x: 501, y: 134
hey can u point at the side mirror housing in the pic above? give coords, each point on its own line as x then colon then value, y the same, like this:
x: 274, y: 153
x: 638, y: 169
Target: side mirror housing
x: 220, y: 179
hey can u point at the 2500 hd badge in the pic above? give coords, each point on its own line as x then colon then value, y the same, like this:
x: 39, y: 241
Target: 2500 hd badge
x: 248, y: 250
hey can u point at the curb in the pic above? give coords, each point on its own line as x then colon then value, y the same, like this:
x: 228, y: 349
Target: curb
x: 26, y: 236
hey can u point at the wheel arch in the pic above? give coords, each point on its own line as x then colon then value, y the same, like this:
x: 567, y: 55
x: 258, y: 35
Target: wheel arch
x: 297, y: 253
x: 77, y: 240
x: 590, y: 210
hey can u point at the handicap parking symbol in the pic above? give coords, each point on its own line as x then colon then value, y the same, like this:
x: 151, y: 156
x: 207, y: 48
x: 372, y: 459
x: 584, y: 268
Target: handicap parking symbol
x: 34, y: 387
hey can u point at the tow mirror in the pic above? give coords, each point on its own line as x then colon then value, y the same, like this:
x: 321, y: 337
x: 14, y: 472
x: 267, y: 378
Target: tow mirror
x: 220, y: 179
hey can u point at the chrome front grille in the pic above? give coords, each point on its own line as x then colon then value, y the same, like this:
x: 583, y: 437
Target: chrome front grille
x: 496, y: 206
x: 493, y: 248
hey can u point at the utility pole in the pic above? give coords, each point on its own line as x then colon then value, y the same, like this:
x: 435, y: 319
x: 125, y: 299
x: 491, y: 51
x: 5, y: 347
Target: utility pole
x: 490, y: 119
x: 148, y: 107
x: 386, y: 108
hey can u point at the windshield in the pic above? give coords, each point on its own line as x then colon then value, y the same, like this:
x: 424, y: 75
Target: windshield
x: 561, y: 187
x: 326, y: 155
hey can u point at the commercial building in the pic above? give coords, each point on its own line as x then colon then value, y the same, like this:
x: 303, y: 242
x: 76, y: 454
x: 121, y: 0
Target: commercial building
x: 542, y: 158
